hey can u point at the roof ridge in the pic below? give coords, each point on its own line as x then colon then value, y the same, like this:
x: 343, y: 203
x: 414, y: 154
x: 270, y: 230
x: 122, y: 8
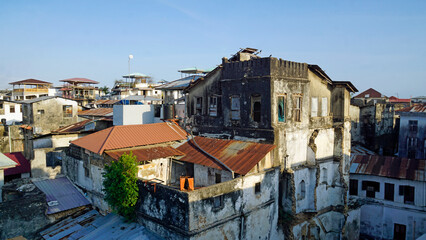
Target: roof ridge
x: 106, y: 139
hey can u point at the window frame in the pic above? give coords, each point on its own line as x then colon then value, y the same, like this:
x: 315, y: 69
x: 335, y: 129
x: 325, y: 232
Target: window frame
x: 213, y: 106
x: 283, y: 115
x: 65, y: 112
x: 314, y: 104
x: 353, y: 187
x: 324, y: 107
x: 235, y: 110
x: 297, y: 107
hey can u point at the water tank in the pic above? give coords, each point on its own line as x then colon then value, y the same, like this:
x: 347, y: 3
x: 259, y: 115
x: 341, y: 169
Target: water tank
x: 168, y: 111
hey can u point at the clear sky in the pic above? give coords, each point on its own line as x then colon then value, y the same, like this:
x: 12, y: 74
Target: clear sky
x: 378, y: 44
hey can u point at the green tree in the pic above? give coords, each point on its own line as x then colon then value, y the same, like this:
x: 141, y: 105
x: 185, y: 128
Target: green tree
x: 120, y: 187
x: 104, y: 89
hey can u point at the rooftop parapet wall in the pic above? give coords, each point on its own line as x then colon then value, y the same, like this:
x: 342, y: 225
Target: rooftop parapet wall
x: 190, y: 213
x: 288, y: 69
x: 244, y: 69
x: 264, y: 67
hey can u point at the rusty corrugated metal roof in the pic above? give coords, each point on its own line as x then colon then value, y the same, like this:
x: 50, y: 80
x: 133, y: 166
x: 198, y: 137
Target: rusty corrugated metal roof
x: 147, y: 153
x: 75, y: 127
x: 127, y: 136
x: 239, y: 156
x: 96, y: 112
x: 109, y: 102
x: 418, y: 108
x: 392, y: 167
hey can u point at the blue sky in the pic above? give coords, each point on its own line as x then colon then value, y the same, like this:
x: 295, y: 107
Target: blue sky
x: 378, y: 44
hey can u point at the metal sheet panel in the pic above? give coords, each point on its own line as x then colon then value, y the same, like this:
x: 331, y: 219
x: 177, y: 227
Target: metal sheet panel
x: 62, y: 193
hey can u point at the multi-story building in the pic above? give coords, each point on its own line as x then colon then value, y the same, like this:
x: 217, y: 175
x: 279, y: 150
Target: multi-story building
x: 134, y: 84
x: 412, y: 132
x: 391, y: 191
x: 80, y: 90
x: 29, y: 89
x: 298, y: 108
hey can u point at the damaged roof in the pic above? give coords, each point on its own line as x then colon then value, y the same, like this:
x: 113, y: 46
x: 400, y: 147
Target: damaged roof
x: 126, y: 136
x: 92, y: 225
x: 418, y: 108
x: 96, y: 112
x: 61, y: 195
x: 179, y: 84
x: 239, y: 156
x: 147, y: 153
x: 392, y: 167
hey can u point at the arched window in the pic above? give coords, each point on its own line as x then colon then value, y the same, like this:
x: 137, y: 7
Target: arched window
x: 324, y: 178
x: 302, y: 190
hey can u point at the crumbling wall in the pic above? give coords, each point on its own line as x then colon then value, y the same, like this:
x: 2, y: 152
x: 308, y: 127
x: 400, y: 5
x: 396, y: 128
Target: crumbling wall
x: 229, y: 210
x: 23, y: 211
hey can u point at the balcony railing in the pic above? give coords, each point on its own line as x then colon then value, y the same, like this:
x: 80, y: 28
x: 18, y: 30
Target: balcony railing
x: 31, y: 90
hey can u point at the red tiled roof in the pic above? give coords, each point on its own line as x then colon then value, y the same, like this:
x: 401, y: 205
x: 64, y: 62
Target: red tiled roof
x: 79, y: 80
x: 393, y: 167
x: 418, y: 108
x: 239, y: 156
x: 127, y: 136
x: 373, y: 94
x: 146, y: 154
x: 24, y: 166
x: 30, y: 81
x: 96, y: 112
x: 401, y: 100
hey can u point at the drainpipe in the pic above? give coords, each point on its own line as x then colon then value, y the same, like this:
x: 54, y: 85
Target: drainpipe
x: 208, y: 154
x: 10, y: 140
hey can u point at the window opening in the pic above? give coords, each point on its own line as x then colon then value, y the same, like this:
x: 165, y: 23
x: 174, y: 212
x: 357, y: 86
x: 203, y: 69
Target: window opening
x: 213, y: 107
x: 302, y: 190
x: 67, y: 110
x: 314, y: 107
x: 297, y: 108
x: 12, y: 108
x: 257, y: 188
x: 353, y: 187
x: 281, y: 109
x: 389, y: 191
x: 324, y: 107
x: 235, y: 107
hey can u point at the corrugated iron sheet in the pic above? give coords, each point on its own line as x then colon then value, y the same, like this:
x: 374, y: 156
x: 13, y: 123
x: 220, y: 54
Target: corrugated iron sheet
x: 76, y: 127
x: 418, y: 108
x: 62, y: 191
x: 127, y: 136
x: 106, y: 102
x: 239, y: 156
x: 385, y: 166
x: 92, y: 225
x: 96, y: 112
x: 146, y: 154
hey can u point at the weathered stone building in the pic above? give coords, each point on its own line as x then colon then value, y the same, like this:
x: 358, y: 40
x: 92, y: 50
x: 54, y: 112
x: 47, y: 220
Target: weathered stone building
x: 296, y: 107
x: 412, y: 132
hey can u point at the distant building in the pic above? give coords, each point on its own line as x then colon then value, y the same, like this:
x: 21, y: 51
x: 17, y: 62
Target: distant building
x: 134, y: 84
x: 374, y: 121
x: 80, y: 90
x: 29, y: 89
x: 412, y: 132
x: 392, y: 193
x: 419, y: 99
x: 10, y: 111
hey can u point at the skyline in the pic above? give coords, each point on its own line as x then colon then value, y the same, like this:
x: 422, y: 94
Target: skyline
x: 371, y: 44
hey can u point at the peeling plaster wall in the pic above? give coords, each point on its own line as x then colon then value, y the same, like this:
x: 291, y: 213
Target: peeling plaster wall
x: 156, y: 169
x: 243, y: 214
x: 205, y: 176
x: 352, y: 226
x: 404, y: 134
x: 329, y: 192
x: 377, y: 221
x: 308, y: 176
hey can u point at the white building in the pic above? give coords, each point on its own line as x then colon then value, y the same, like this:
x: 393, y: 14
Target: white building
x: 393, y: 193
x: 10, y: 111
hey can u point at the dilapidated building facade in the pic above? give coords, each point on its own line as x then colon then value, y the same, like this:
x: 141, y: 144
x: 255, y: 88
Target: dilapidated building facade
x: 296, y: 107
x: 412, y: 132
x: 391, y: 192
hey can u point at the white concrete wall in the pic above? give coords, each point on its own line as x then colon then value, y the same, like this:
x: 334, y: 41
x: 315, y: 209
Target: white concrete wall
x: 158, y: 169
x: 378, y: 221
x: 308, y: 175
x: 133, y: 114
x: 419, y: 191
x: 205, y: 176
x: 11, y: 117
x: 296, y: 145
x: 325, y: 143
x: 330, y: 192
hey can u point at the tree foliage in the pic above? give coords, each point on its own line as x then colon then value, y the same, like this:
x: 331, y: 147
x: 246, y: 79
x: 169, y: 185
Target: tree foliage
x: 120, y: 187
